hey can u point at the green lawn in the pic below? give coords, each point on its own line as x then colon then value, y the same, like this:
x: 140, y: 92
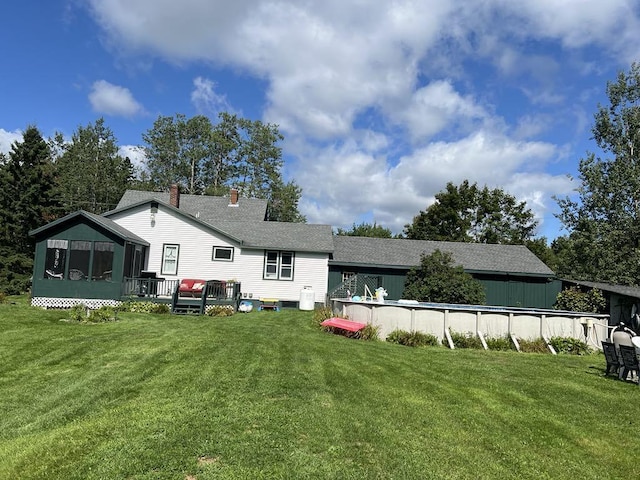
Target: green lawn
x: 265, y: 395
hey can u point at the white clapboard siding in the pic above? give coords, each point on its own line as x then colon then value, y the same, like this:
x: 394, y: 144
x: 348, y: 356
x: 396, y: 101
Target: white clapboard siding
x: 196, y: 251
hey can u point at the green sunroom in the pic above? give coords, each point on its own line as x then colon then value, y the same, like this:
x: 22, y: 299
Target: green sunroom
x: 84, y: 258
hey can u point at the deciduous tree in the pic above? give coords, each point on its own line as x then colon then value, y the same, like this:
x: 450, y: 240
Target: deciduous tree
x: 604, y: 221
x: 438, y: 280
x: 207, y: 158
x: 366, y: 230
x: 467, y: 213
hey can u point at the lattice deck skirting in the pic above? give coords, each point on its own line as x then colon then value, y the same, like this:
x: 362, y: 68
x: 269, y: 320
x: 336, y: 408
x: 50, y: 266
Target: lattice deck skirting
x: 61, y: 303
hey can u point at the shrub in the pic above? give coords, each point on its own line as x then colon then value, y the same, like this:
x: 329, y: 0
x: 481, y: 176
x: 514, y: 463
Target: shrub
x: 533, y: 346
x: 412, y: 339
x: 320, y: 315
x: 438, y: 279
x: 369, y: 332
x: 78, y: 313
x: 103, y: 314
x: 500, y: 343
x: 145, y: 307
x: 462, y: 340
x: 569, y: 345
x: 219, y: 310
x: 574, y: 299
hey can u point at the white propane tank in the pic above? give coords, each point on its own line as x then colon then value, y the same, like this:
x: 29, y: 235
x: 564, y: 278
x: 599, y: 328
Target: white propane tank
x: 307, y: 299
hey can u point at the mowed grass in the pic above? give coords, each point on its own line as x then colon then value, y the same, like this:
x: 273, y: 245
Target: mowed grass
x: 266, y: 395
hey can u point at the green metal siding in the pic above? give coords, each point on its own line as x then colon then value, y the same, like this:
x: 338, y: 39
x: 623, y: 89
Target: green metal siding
x: 501, y: 290
x: 54, y: 288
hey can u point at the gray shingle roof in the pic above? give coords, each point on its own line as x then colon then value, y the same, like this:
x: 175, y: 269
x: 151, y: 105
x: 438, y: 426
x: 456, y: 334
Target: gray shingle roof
x: 625, y: 290
x: 406, y: 253
x: 210, y: 209
x: 280, y: 235
x: 104, y: 222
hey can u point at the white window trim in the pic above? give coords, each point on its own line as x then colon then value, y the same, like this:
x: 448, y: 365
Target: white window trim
x: 279, y: 265
x: 216, y: 249
x: 167, y: 248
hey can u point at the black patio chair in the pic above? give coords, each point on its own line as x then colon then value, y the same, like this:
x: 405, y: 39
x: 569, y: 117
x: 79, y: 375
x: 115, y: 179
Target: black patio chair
x: 610, y: 355
x: 629, y: 361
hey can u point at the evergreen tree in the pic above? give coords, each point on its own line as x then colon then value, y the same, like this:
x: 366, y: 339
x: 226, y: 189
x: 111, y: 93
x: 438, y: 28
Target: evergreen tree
x: 91, y: 174
x: 27, y: 201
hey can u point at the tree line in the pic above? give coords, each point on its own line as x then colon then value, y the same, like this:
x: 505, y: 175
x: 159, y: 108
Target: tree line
x: 41, y: 180
x: 44, y: 179
x: 603, y: 221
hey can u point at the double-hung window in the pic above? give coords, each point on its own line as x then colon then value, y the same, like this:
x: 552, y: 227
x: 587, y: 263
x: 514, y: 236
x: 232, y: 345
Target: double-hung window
x: 278, y: 265
x: 170, y: 259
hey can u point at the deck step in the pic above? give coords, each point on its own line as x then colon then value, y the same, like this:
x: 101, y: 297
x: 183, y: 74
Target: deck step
x: 186, y: 309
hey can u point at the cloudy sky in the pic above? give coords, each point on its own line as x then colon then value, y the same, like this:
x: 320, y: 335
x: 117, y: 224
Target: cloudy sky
x: 381, y: 102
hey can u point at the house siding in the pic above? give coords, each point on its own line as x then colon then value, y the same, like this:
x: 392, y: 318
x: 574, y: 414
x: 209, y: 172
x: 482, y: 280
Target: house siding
x: 195, y: 256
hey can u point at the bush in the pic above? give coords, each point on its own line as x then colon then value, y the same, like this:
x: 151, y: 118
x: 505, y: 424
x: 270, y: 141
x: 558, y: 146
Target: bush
x: 78, y: 313
x: 412, y: 339
x: 219, y: 310
x: 438, y: 279
x: 103, y: 314
x: 500, y: 343
x: 320, y: 315
x: 145, y: 307
x: 462, y: 340
x: 574, y: 299
x: 570, y: 346
x: 533, y: 346
x: 369, y: 332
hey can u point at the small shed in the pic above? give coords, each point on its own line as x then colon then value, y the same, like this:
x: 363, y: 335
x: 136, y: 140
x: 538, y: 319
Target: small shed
x: 623, y: 301
x: 84, y: 258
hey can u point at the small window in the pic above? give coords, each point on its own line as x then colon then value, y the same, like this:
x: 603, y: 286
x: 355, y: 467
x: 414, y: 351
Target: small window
x: 271, y: 265
x: 170, y: 259
x: 55, y: 258
x: 278, y: 265
x: 223, y: 254
x: 286, y: 266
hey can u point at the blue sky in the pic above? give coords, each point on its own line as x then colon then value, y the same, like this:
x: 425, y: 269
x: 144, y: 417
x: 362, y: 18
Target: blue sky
x: 381, y: 103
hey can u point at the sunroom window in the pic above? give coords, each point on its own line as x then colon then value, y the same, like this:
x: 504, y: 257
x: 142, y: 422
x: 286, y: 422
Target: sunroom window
x: 56, y: 258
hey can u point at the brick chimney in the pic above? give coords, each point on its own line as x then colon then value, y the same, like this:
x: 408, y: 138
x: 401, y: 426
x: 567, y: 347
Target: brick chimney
x: 174, y: 195
x: 233, y: 197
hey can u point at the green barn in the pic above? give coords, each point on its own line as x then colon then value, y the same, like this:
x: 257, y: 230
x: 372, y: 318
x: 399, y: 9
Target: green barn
x: 511, y: 274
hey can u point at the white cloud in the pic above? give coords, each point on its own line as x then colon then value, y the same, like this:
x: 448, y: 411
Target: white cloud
x: 135, y: 154
x: 206, y: 100
x: 344, y: 183
x: 328, y: 66
x: 438, y: 106
x: 8, y: 138
x: 110, y: 99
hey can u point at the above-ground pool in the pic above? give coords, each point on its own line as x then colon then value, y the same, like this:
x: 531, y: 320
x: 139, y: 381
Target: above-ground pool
x: 491, y: 321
